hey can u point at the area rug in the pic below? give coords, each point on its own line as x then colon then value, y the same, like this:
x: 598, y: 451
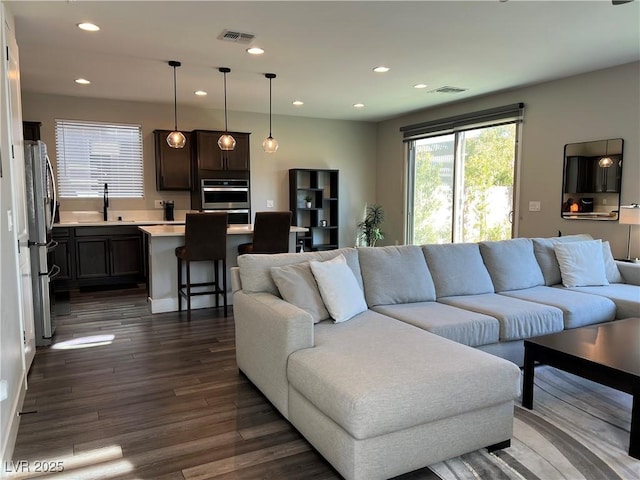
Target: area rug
x: 577, y: 430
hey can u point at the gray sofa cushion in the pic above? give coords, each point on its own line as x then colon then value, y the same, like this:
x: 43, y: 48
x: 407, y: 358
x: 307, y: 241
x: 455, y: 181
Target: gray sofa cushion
x: 395, y: 274
x: 457, y: 269
x: 374, y: 375
x: 578, y: 309
x: 255, y: 269
x: 518, y: 319
x: 511, y: 264
x: 462, y: 326
x: 626, y: 297
x: 546, y: 256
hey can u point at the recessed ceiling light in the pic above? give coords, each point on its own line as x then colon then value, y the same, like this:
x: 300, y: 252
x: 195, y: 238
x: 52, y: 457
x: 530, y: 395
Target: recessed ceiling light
x: 255, y: 51
x: 358, y: 105
x: 82, y: 81
x: 88, y: 27
x: 420, y: 85
x: 200, y: 93
x: 297, y: 103
x: 381, y: 69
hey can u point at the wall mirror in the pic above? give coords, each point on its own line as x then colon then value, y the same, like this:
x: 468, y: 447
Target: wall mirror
x: 592, y: 179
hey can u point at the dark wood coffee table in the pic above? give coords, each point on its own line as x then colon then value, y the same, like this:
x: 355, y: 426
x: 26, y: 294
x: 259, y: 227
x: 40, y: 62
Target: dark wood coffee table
x: 608, y: 354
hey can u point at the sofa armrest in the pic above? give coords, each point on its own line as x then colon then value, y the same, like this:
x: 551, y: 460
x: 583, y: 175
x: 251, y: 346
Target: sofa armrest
x: 630, y: 272
x: 268, y: 330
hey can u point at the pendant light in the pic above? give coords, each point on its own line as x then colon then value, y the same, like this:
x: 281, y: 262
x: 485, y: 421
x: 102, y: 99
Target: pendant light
x: 226, y: 141
x: 175, y: 139
x: 606, y: 161
x: 270, y: 144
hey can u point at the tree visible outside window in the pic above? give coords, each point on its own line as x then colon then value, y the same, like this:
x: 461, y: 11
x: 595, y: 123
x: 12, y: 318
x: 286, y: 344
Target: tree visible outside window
x: 463, y: 186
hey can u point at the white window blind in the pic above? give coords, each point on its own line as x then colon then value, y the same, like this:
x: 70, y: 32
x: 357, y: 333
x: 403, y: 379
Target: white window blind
x: 90, y: 154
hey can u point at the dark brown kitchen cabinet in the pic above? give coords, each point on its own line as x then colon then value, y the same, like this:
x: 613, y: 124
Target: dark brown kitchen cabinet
x: 209, y: 156
x: 98, y: 256
x: 173, y: 165
x: 61, y: 255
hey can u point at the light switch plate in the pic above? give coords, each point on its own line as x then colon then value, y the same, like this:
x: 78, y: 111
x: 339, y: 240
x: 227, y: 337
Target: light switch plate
x: 157, y: 203
x: 269, y: 203
x: 534, y: 206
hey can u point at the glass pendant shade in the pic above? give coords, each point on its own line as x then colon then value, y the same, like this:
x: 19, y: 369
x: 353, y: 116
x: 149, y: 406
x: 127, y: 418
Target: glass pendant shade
x: 176, y: 139
x: 605, y: 162
x: 270, y: 144
x: 226, y: 141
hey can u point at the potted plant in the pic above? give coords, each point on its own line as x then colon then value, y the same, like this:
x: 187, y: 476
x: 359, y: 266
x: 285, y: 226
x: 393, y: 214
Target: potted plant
x: 369, y: 229
x: 307, y: 201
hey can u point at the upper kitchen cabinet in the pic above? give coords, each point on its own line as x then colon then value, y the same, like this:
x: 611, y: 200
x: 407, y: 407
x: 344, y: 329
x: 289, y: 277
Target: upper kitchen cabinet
x: 173, y: 165
x: 209, y: 157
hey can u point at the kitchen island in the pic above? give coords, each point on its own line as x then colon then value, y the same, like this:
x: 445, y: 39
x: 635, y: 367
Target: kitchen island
x: 162, y: 284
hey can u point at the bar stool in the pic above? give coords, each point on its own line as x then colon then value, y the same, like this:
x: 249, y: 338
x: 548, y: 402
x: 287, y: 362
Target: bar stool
x: 270, y: 233
x: 205, y: 239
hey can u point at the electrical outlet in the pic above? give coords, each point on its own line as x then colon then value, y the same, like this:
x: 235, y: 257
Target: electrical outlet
x: 157, y: 203
x: 534, y: 206
x: 269, y: 203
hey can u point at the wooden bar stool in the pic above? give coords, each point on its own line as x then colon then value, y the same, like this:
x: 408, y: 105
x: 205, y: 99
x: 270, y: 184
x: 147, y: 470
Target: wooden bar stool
x: 205, y: 239
x: 270, y: 233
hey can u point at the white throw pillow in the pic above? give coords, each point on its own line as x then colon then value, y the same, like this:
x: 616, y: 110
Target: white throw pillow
x: 297, y: 285
x: 581, y: 263
x: 339, y: 288
x: 610, y: 267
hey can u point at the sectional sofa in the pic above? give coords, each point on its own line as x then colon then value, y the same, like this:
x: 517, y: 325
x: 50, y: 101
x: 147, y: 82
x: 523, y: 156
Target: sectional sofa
x: 368, y: 352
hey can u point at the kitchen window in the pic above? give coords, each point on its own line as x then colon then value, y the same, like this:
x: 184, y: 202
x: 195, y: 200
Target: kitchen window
x: 462, y: 177
x: 90, y: 154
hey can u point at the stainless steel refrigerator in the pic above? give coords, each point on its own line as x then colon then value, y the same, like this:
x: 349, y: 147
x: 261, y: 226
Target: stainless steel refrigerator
x: 41, y: 205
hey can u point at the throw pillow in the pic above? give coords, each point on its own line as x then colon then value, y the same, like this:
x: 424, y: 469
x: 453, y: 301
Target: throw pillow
x: 339, y: 288
x: 581, y: 263
x: 297, y: 286
x: 610, y: 267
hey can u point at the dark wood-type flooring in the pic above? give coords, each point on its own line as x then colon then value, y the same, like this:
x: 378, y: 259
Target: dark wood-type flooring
x: 153, y: 397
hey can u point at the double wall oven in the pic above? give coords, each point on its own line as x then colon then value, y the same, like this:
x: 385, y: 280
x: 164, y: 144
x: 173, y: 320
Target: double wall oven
x: 227, y: 195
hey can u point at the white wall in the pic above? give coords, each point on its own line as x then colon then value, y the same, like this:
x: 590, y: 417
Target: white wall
x: 304, y: 143
x: 593, y: 106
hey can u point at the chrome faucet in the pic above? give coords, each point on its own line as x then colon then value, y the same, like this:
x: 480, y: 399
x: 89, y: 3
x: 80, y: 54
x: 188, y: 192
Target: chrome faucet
x: 105, y: 202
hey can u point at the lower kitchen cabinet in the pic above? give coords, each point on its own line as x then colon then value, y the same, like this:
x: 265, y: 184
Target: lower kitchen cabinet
x: 99, y: 256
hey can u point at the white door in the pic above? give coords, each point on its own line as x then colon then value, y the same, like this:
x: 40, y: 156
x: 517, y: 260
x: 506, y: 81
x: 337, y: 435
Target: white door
x: 19, y: 199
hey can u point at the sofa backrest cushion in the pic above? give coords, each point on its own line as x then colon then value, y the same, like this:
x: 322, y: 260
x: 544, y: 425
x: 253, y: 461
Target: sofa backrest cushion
x: 511, y: 264
x: 546, y: 256
x: 255, y: 269
x: 395, y: 274
x: 457, y: 269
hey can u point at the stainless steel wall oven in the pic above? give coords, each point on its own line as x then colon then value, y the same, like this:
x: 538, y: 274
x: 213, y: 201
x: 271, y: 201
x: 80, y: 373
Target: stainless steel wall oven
x: 230, y: 195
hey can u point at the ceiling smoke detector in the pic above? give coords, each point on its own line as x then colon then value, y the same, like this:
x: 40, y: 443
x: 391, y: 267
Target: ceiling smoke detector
x: 237, y: 37
x: 448, y: 89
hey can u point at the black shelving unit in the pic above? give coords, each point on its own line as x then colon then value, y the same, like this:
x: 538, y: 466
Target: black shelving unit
x: 321, y: 217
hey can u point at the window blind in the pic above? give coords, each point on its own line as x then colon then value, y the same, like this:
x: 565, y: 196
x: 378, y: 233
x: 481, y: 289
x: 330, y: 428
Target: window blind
x: 484, y: 118
x: 90, y: 154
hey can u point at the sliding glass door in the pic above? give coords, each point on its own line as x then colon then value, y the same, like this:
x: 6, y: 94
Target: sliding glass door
x: 461, y: 185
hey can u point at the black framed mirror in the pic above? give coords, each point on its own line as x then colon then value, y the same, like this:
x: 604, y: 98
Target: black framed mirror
x: 591, y: 182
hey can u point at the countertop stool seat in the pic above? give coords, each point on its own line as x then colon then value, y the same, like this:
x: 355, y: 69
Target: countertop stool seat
x: 270, y: 233
x: 205, y: 239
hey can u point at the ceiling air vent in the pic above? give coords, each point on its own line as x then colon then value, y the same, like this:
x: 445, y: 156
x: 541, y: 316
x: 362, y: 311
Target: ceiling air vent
x: 448, y: 89
x: 237, y: 37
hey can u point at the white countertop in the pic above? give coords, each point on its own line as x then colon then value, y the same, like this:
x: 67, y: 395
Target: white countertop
x: 111, y: 223
x: 178, y: 230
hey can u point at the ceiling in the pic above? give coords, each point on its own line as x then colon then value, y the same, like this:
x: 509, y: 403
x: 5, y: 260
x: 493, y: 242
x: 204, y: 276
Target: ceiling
x: 323, y: 53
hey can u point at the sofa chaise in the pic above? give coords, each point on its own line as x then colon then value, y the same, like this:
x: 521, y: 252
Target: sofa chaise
x: 390, y: 359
